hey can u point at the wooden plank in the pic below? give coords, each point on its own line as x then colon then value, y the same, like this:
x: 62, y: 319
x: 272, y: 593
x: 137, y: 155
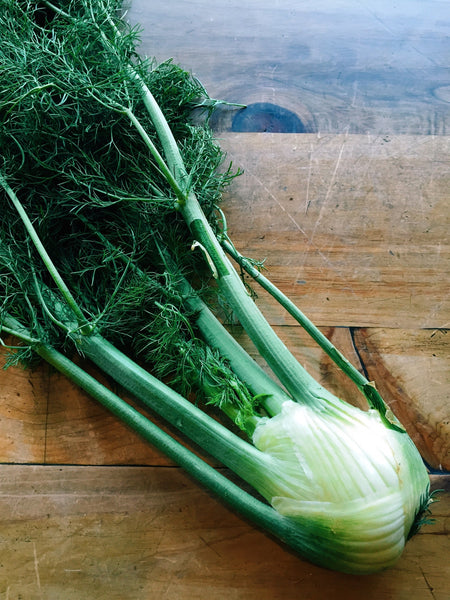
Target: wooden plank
x: 45, y: 419
x: 353, y: 228
x: 80, y: 431
x: 336, y: 66
x: 411, y: 369
x: 144, y: 532
x: 23, y: 413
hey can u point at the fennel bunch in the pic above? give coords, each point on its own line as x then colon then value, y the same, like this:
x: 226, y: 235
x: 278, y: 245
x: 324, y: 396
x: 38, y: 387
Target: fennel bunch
x: 113, y: 245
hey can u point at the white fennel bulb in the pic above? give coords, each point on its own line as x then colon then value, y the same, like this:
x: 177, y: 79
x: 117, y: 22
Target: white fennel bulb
x: 355, y: 485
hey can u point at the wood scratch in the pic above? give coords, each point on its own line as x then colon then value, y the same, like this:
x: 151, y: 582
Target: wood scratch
x: 308, y: 181
x: 398, y: 35
x: 275, y: 199
x: 430, y: 588
x: 324, y: 207
x: 36, y: 569
x: 208, y: 545
x: 309, y: 238
x: 355, y: 94
x: 336, y: 167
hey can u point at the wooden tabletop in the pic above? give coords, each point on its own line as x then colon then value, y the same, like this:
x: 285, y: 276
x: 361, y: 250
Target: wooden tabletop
x: 345, y: 193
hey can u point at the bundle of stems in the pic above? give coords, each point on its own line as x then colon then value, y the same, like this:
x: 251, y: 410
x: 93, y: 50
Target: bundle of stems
x: 113, y: 245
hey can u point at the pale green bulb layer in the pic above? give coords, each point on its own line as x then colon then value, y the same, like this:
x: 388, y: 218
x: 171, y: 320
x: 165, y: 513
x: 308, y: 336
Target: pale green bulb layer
x: 353, y: 483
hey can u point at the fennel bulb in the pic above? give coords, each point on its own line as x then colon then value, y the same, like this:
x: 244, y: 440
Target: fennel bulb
x: 355, y: 484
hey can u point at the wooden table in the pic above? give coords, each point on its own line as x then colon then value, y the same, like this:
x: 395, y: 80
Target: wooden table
x: 351, y: 215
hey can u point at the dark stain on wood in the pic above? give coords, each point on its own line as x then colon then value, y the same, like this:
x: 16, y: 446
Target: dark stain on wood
x: 265, y: 117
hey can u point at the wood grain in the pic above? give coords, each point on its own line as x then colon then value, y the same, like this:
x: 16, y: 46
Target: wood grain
x: 147, y: 532
x: 411, y: 369
x: 23, y: 413
x: 353, y: 228
x: 346, y: 66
